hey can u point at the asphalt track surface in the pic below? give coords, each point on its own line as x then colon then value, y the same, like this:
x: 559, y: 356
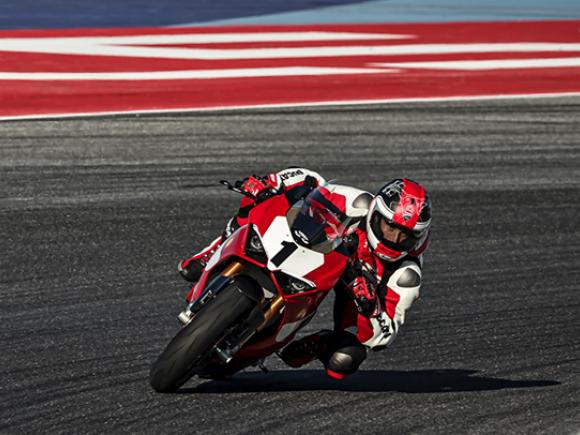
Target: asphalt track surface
x: 95, y: 213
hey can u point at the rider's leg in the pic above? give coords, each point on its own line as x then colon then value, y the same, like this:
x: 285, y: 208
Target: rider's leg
x: 340, y: 351
x: 307, y: 349
x: 345, y: 355
x: 346, y: 352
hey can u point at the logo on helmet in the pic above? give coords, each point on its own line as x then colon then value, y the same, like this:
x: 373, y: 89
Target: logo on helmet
x: 393, y: 188
x: 409, y: 207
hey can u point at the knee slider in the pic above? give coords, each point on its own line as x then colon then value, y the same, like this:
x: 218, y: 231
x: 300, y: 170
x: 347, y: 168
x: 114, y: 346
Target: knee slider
x: 347, y: 359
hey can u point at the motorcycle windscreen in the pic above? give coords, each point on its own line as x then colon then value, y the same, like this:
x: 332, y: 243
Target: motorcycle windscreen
x: 318, y: 224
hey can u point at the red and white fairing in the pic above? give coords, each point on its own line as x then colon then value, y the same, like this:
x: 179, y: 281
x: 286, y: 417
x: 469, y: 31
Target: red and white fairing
x: 314, y: 269
x: 306, y: 263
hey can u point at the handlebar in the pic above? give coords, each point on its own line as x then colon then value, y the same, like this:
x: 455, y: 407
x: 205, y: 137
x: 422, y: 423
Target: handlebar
x: 230, y: 186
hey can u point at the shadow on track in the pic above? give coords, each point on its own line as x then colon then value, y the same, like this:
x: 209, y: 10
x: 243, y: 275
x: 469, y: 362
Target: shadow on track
x: 418, y: 381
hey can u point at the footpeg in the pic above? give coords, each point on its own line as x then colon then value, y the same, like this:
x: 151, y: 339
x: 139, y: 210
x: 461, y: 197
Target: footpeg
x: 224, y: 354
x: 185, y: 316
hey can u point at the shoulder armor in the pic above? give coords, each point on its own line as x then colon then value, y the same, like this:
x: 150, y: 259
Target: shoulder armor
x: 409, y: 278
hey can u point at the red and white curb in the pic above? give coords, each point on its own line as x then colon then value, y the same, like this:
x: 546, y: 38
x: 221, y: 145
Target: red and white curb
x: 111, y: 71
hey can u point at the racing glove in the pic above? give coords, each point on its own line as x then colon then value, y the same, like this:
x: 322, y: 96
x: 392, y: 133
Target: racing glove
x: 258, y: 188
x: 365, y: 296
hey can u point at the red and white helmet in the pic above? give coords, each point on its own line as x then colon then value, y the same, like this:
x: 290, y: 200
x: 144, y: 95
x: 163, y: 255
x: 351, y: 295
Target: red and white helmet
x: 399, y: 220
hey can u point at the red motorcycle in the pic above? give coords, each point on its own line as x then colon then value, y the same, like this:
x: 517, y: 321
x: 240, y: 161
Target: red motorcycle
x: 263, y: 284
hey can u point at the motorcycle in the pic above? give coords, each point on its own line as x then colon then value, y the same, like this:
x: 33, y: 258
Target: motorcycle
x: 263, y: 284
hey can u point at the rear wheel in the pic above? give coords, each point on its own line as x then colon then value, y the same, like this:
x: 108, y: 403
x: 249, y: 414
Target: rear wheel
x: 177, y: 363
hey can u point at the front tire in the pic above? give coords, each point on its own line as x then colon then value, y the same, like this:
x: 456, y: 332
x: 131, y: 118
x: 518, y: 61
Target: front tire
x: 177, y: 362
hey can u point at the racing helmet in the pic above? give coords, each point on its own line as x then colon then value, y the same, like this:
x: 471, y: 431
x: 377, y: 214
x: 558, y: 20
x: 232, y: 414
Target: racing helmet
x: 399, y: 219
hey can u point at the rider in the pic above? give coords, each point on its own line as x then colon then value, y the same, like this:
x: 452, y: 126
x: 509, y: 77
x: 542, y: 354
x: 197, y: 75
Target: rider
x: 380, y: 282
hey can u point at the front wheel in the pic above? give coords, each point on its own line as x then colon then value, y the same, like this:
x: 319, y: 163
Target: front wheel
x: 177, y: 363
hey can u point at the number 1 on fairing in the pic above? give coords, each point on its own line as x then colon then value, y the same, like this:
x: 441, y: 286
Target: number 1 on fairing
x: 287, y: 250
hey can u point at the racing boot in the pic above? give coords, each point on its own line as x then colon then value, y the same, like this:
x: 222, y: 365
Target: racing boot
x: 302, y: 351
x: 191, y: 268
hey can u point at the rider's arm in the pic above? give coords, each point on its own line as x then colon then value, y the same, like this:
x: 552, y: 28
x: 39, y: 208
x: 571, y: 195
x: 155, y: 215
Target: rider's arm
x: 282, y: 181
x: 402, y: 290
x: 293, y: 177
x: 274, y: 183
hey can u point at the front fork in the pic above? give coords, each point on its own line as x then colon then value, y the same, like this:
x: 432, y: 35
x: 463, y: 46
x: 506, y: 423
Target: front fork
x: 211, y: 290
x: 257, y: 320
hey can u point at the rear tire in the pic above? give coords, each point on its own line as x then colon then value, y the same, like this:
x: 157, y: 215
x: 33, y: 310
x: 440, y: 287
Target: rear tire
x: 176, y: 364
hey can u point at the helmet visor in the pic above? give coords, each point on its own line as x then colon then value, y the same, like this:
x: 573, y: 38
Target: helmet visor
x: 392, y: 235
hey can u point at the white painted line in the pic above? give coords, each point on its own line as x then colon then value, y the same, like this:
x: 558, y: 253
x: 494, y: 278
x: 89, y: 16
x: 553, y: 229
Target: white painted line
x: 484, y: 65
x: 107, y: 49
x: 291, y: 105
x: 206, y: 38
x: 194, y: 74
